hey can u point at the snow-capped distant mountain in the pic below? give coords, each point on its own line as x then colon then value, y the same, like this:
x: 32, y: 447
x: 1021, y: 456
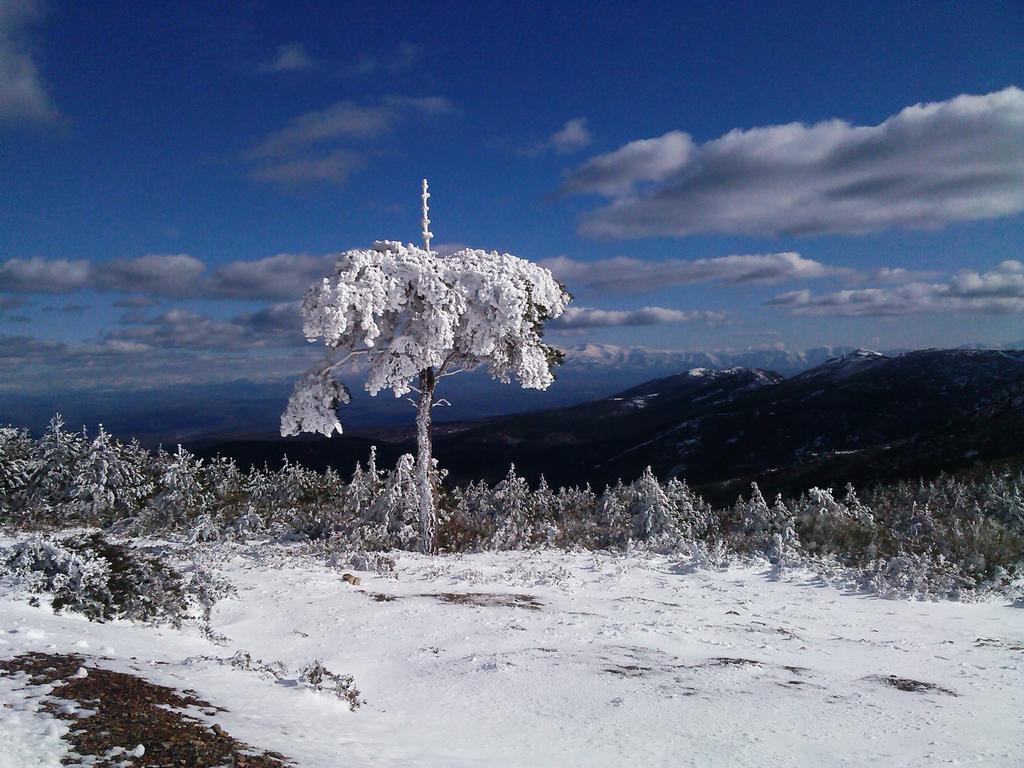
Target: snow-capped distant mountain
x: 781, y: 360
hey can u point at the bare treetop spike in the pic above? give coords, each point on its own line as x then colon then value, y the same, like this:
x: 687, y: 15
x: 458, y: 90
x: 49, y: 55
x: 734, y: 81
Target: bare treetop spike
x: 425, y: 221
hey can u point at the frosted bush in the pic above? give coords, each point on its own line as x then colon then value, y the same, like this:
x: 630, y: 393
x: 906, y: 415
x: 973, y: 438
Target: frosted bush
x: 320, y: 678
x: 380, y: 563
x: 104, y: 580
x: 908, y: 575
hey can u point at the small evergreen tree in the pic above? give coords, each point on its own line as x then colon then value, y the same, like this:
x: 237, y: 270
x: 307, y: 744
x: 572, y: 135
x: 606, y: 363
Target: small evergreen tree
x: 53, y: 475
x: 511, y: 506
x: 651, y: 510
x: 182, y: 492
x: 110, y: 480
x: 396, y: 507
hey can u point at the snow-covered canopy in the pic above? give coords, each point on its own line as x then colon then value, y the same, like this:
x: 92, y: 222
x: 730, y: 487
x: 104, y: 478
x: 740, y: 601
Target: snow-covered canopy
x: 405, y: 310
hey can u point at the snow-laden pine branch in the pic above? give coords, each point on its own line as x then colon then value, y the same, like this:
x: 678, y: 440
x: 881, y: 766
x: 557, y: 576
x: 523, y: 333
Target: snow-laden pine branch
x: 405, y: 310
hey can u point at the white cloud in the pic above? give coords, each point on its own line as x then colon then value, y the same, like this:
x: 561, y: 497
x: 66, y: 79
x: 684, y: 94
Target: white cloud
x: 1000, y: 291
x: 334, y: 168
x: 318, y: 146
x: 135, y: 302
x: 897, y: 275
x: 161, y: 274
x: 588, y: 317
x: 344, y: 120
x: 284, y: 276
x: 926, y: 166
x: 290, y: 57
x: 403, y: 57
x: 623, y: 274
x: 37, y: 275
x: 23, y: 94
x: 571, y: 137
x: 183, y: 329
x: 617, y: 173
x: 167, y: 274
x: 274, y: 326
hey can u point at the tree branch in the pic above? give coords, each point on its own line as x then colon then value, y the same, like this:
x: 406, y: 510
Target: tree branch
x: 458, y: 371
x: 337, y: 364
x: 444, y: 364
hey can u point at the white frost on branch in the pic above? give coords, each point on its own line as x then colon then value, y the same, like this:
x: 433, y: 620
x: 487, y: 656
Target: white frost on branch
x: 313, y: 404
x: 407, y: 310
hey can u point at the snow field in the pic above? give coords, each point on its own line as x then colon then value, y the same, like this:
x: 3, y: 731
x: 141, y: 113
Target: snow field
x: 617, y: 660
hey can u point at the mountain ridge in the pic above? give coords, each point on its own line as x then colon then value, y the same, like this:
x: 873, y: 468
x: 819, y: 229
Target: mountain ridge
x: 863, y: 417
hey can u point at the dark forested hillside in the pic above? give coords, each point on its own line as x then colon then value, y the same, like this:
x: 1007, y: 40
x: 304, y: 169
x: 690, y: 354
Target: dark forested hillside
x: 863, y: 417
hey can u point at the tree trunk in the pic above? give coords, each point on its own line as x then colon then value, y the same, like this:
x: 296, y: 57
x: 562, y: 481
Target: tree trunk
x: 424, y: 464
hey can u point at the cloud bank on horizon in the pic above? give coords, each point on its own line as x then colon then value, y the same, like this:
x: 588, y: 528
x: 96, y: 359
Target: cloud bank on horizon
x: 999, y: 291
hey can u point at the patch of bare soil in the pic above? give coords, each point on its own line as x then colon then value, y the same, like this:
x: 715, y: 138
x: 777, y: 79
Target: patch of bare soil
x: 486, y: 599
x: 911, y: 686
x: 125, y: 710
x: 730, y: 661
x: 995, y: 642
x: 498, y: 600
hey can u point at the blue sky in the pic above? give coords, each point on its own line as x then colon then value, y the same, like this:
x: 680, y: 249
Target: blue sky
x: 172, y: 174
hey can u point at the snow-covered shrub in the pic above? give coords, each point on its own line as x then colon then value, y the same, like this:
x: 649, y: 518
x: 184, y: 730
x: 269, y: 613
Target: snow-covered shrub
x: 694, y: 517
x: 380, y: 563
x: 100, y: 579
x: 182, y: 493
x: 17, y: 451
x: 273, y: 670
x: 752, y: 526
x: 577, y: 518
x: 948, y: 531
x: 364, y: 487
x: 826, y: 526
x: 547, y: 514
x: 613, y: 516
x: 465, y: 522
x: 911, y: 575
x: 320, y: 678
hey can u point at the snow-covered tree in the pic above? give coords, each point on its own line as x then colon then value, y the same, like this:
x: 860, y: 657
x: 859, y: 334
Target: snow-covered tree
x: 613, y: 514
x: 182, y: 491
x: 365, y: 486
x: 110, y: 478
x: 578, y: 516
x: 547, y: 512
x: 413, y: 317
x: 397, y: 505
x: 16, y: 454
x: 511, y: 504
x: 651, y: 510
x: 58, y: 455
x: 694, y: 517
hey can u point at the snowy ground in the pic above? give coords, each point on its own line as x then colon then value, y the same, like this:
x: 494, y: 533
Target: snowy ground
x: 610, y: 660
